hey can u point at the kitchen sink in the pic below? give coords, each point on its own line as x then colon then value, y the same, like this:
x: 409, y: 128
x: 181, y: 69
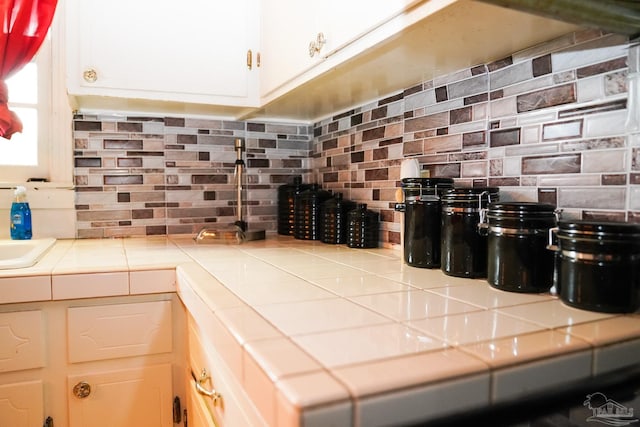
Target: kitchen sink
x: 23, y: 253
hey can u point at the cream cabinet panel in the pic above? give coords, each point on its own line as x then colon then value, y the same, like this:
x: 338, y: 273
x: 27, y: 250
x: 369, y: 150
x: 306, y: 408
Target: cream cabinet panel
x: 287, y: 29
x: 22, y: 343
x: 342, y: 22
x: 134, y: 397
x: 119, y: 330
x: 291, y: 28
x: 188, y: 51
x: 22, y: 404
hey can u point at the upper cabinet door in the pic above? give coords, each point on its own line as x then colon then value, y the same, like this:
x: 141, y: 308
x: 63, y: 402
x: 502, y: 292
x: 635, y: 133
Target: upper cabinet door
x: 343, y: 22
x: 287, y: 29
x: 188, y: 51
x: 291, y: 28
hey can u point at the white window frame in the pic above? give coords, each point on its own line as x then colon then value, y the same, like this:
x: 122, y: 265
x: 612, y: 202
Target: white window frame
x: 55, y: 144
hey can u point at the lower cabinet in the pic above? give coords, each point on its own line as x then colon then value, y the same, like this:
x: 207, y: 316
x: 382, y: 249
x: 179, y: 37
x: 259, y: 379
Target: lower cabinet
x: 104, y: 362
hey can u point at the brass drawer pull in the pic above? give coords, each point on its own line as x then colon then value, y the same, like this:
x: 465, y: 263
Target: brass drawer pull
x: 204, y: 376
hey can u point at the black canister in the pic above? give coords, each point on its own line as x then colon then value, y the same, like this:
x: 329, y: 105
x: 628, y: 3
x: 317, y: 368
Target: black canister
x: 334, y: 219
x: 363, y: 227
x: 422, y: 220
x: 517, y: 234
x: 599, y: 265
x: 307, y: 212
x: 286, y: 205
x: 464, y: 249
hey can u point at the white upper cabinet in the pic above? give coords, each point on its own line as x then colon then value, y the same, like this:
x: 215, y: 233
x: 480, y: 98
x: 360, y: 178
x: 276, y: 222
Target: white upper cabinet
x: 287, y: 28
x: 296, y: 36
x: 193, y: 51
x: 343, y: 22
x: 307, y: 59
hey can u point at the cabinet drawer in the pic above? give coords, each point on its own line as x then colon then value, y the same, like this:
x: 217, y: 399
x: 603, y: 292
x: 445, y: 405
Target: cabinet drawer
x: 119, y: 330
x: 233, y: 408
x: 21, y: 340
x: 199, y: 415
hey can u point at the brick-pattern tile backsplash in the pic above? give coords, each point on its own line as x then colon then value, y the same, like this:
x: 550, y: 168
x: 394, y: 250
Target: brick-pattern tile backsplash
x: 140, y: 176
x: 545, y: 124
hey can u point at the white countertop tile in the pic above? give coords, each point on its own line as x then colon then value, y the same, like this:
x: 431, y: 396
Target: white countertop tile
x: 473, y: 327
x: 426, y: 278
x: 93, y: 255
x: 607, y: 331
x: 360, y: 285
x: 209, y: 289
x: 553, y: 314
x: 282, y: 289
x: 246, y: 325
x: 312, y: 388
x: 414, y: 304
x: 280, y: 357
x: 305, y: 317
x: 153, y: 253
x: 365, y: 344
x: 483, y: 295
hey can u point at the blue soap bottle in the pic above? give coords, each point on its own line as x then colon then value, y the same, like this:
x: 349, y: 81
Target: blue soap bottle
x: 20, y: 215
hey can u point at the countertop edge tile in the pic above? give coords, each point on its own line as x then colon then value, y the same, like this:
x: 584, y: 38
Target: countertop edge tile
x: 517, y: 381
x: 616, y: 356
x: 408, y: 371
x: 89, y: 285
x: 430, y: 401
x: 530, y: 347
x: 25, y: 289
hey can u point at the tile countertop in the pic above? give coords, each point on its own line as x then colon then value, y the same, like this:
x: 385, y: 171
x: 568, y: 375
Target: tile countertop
x: 330, y: 334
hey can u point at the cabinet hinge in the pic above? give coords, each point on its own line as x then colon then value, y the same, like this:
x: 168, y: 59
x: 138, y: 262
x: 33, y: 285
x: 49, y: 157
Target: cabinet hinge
x: 177, y: 410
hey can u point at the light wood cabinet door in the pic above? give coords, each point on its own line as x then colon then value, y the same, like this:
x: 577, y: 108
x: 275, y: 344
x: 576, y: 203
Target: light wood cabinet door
x: 119, y: 330
x: 188, y: 51
x: 133, y: 397
x: 22, y: 343
x: 22, y: 404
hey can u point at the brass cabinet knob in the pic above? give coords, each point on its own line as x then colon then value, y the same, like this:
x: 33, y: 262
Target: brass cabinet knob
x: 90, y: 75
x: 82, y: 390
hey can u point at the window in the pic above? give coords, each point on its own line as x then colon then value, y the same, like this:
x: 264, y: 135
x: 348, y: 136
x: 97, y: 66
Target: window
x: 37, y: 95
x: 26, y: 152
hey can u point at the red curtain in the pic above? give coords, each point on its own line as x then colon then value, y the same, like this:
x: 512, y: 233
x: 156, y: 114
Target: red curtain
x: 24, y: 26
